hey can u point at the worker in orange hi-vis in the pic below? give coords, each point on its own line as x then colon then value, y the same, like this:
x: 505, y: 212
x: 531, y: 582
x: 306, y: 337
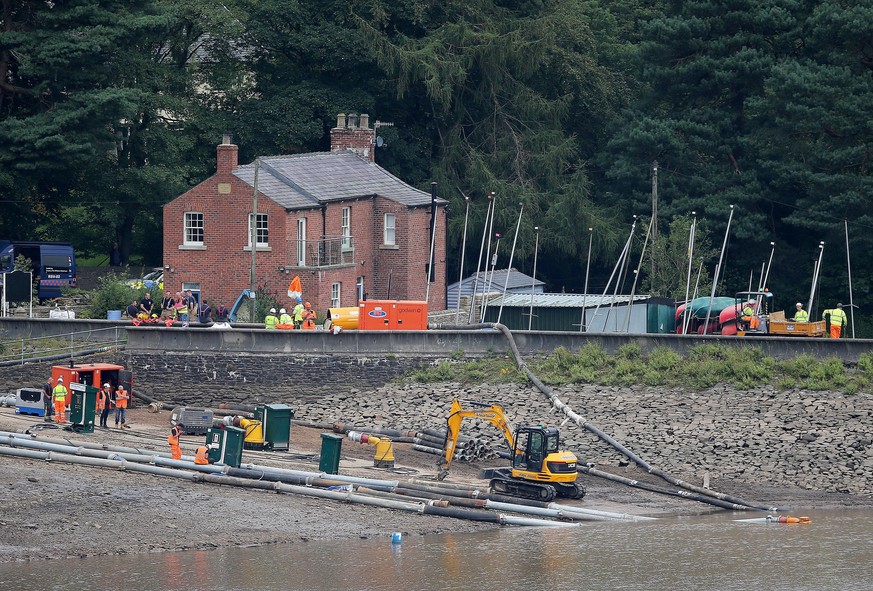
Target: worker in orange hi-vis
x: 59, y: 394
x: 173, y: 440
x: 308, y: 317
x: 121, y: 398
x: 202, y: 455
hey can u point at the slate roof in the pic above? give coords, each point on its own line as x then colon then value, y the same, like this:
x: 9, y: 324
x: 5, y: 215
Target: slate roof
x: 517, y: 279
x: 301, y: 181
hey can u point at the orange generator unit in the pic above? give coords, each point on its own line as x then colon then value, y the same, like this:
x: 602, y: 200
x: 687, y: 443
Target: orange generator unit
x: 93, y: 374
x: 392, y: 315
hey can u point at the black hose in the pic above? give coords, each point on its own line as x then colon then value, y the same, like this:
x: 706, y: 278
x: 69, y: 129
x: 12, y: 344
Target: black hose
x: 733, y: 502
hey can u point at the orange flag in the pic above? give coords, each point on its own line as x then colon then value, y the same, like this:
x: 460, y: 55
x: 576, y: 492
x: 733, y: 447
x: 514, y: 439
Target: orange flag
x: 294, y: 289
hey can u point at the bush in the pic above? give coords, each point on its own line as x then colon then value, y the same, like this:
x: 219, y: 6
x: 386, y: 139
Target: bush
x: 111, y: 294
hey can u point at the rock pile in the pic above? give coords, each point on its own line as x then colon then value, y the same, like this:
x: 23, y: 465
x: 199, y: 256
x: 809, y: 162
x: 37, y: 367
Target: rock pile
x: 814, y: 440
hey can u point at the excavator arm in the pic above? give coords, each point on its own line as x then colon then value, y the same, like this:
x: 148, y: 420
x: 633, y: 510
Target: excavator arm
x: 492, y: 413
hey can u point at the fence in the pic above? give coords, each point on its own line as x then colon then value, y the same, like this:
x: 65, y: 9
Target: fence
x: 20, y: 350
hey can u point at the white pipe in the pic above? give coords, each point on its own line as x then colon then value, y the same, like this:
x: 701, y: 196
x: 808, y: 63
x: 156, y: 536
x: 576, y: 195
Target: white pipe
x: 849, y: 264
x: 685, y: 315
x: 718, y: 270
x: 533, y: 280
x: 479, y: 263
x: 509, y: 267
x: 582, y: 327
x: 463, y: 253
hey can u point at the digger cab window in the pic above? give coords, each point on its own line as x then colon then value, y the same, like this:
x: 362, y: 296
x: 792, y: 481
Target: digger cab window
x: 519, y: 454
x: 551, y: 444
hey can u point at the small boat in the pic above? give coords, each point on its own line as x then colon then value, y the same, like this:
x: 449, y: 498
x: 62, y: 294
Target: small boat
x: 697, y: 309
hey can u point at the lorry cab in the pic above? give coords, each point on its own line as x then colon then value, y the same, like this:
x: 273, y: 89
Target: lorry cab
x: 93, y: 374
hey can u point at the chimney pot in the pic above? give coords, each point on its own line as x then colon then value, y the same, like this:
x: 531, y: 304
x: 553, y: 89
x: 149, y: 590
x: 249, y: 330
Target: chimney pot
x: 353, y: 121
x: 365, y: 121
x: 226, y: 138
x: 341, y: 120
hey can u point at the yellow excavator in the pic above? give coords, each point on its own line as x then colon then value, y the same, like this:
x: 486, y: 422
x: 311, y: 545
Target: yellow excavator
x: 539, y: 470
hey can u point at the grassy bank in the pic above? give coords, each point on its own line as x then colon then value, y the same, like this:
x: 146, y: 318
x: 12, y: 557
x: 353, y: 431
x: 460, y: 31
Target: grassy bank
x: 704, y: 367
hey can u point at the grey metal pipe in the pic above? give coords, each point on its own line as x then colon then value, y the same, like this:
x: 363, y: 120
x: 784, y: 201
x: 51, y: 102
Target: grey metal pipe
x: 8, y: 400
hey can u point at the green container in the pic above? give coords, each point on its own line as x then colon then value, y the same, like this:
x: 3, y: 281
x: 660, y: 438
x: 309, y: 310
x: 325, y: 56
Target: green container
x: 331, y: 445
x: 276, y: 421
x: 82, y: 407
x: 225, y: 445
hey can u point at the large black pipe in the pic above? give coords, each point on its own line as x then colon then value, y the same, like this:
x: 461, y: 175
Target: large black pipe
x: 733, y: 502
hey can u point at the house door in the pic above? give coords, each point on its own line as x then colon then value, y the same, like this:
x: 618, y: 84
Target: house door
x: 301, y: 242
x: 195, y: 290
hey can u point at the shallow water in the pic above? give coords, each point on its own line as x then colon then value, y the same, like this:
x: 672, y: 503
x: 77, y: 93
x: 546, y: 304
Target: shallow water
x: 714, y: 552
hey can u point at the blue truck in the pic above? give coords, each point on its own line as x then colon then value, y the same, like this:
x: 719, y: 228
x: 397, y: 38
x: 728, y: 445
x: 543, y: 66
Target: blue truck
x: 53, y: 263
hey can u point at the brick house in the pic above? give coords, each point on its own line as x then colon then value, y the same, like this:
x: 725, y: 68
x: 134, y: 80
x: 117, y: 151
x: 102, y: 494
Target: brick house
x: 345, y: 225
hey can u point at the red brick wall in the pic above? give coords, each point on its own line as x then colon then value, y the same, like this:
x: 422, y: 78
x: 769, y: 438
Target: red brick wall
x: 222, y: 266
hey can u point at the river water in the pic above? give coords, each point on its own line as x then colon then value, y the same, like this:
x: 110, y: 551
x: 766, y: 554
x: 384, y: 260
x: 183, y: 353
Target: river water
x: 713, y: 552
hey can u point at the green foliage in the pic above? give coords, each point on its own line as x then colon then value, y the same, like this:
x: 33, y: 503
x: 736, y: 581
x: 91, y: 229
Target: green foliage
x: 489, y: 369
x: 22, y: 263
x: 112, y: 293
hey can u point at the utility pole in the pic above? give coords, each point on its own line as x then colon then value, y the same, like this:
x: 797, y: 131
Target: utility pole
x: 654, y: 212
x: 253, y: 230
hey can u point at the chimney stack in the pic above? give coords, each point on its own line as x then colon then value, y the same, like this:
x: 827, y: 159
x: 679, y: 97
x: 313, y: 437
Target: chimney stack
x: 228, y: 155
x: 353, y: 134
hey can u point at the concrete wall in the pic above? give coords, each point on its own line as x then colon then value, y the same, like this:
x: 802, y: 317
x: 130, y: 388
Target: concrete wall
x: 243, y: 339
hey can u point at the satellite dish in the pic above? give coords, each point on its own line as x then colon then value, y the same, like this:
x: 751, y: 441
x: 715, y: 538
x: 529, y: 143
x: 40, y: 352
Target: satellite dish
x: 379, y: 141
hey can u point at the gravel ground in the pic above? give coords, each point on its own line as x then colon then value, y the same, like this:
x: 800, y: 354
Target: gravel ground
x: 56, y: 510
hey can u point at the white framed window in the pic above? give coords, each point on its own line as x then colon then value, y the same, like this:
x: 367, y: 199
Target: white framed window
x: 193, y: 228
x: 301, y: 242
x: 359, y: 288
x: 347, y: 227
x: 262, y: 234
x: 335, y: 291
x: 389, y: 233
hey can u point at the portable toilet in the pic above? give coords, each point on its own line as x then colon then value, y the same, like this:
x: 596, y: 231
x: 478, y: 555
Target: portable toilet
x: 82, y: 407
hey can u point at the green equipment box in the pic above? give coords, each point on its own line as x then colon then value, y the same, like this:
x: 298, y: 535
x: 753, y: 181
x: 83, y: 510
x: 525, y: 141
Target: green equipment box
x: 331, y: 444
x: 225, y: 445
x: 83, y: 403
x: 276, y: 421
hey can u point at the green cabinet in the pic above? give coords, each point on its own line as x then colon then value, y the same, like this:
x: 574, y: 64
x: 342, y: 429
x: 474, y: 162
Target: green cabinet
x: 276, y: 421
x: 225, y: 445
x: 83, y: 402
x: 331, y: 444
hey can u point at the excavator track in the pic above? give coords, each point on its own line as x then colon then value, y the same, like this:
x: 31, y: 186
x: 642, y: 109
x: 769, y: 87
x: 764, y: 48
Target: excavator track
x: 524, y: 489
x: 570, y: 490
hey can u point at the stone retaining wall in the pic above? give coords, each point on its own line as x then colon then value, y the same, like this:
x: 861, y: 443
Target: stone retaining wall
x: 814, y: 440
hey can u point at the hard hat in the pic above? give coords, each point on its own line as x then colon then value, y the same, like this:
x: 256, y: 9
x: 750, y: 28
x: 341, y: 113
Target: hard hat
x: 299, y: 299
x: 106, y: 386
x: 272, y: 310
x: 839, y: 305
x: 798, y: 304
x: 282, y: 311
x: 61, y: 379
x: 307, y: 305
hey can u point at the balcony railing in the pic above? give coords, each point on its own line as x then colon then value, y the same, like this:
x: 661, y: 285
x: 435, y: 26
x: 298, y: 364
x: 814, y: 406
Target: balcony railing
x: 325, y: 252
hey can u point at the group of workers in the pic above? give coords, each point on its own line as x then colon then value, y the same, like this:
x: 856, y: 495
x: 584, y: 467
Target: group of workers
x: 302, y: 317
x: 55, y: 403
x: 836, y: 317
x: 201, y: 456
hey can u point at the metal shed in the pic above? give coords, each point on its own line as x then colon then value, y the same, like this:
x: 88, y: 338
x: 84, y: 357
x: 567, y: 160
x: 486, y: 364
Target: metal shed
x: 563, y: 312
x: 493, y: 283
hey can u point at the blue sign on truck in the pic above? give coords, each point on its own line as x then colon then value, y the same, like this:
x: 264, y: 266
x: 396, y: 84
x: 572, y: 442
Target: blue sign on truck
x: 53, y: 263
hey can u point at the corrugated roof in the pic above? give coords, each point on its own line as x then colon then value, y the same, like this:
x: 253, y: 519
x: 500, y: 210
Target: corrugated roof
x: 562, y: 300
x: 308, y: 180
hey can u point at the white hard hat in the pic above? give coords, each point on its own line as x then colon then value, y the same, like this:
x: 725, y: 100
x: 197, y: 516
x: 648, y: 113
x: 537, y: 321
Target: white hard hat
x: 272, y: 310
x: 798, y: 304
x: 282, y: 311
x: 61, y: 379
x: 106, y: 385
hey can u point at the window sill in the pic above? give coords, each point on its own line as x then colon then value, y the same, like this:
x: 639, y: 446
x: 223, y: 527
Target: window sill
x: 389, y: 247
x: 259, y: 249
x: 192, y: 247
